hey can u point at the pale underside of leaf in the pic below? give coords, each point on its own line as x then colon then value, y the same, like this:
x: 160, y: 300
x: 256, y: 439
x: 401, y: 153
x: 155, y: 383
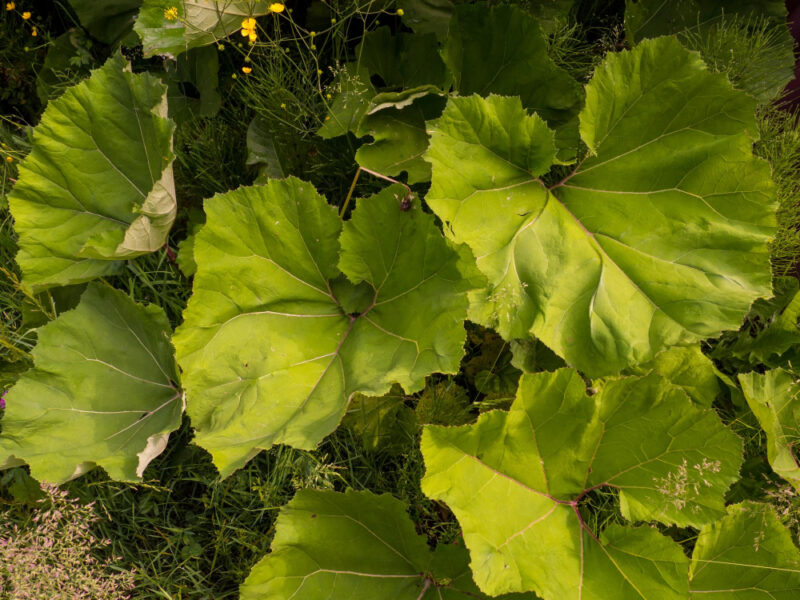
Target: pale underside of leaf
x: 199, y: 23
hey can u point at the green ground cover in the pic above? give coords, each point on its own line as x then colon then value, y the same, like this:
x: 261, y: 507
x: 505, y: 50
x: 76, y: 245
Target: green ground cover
x: 398, y: 114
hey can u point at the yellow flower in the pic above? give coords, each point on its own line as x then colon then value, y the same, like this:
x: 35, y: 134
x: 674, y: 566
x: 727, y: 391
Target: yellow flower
x: 247, y: 70
x: 171, y: 14
x: 400, y: 12
x: 34, y: 33
x: 10, y: 6
x: 9, y: 159
x: 276, y: 7
x: 26, y: 15
x: 249, y: 29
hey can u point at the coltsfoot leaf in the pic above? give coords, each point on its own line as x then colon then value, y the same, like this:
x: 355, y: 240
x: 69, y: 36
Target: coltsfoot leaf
x: 659, y: 236
x: 357, y: 546
x: 97, y: 186
x: 774, y: 398
x: 270, y: 350
x: 747, y: 555
x: 197, y: 23
x: 103, y: 391
x: 669, y: 460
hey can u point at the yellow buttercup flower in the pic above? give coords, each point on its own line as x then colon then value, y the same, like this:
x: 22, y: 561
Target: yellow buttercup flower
x: 26, y: 15
x: 9, y: 159
x: 400, y: 12
x: 276, y: 7
x: 34, y: 33
x: 247, y: 70
x: 10, y: 6
x: 171, y: 14
x: 249, y: 29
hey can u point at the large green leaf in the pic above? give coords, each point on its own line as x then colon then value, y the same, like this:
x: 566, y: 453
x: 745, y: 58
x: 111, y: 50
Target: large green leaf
x: 402, y: 60
x: 657, y: 238
x: 356, y: 546
x: 397, y: 126
x: 198, y: 23
x: 748, y: 555
x: 108, y: 21
x: 774, y: 398
x: 689, y: 369
x: 383, y: 423
x: 511, y: 59
x: 354, y: 93
x: 104, y: 391
x: 427, y: 16
x: 652, y: 18
x: 271, y: 270
x: 777, y: 343
x: 669, y: 460
x: 97, y: 185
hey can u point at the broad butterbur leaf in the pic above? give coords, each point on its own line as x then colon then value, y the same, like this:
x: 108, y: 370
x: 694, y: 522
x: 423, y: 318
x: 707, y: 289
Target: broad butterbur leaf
x: 776, y: 344
x: 689, y: 369
x: 261, y: 150
x: 383, y: 423
x: 511, y: 59
x: 109, y: 21
x: 774, y: 398
x: 402, y: 60
x: 399, y: 135
x: 322, y: 316
x: 198, y: 23
x: 97, y: 185
x: 427, y: 16
x: 657, y: 238
x: 104, y: 391
x: 747, y: 555
x: 357, y: 546
x: 354, y: 93
x: 669, y: 460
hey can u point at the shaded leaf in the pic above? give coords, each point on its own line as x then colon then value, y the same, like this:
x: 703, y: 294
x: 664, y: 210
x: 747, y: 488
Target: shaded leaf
x: 669, y: 460
x: 354, y: 93
x: 774, y: 398
x: 261, y: 151
x: 85, y: 403
x: 97, y: 185
x: 108, y: 21
x: 444, y: 403
x: 267, y: 259
x: 658, y: 238
x: 384, y: 423
x: 512, y: 60
x: 192, y: 81
x: 356, y: 546
x: 402, y: 60
x: 427, y: 16
x: 399, y: 137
